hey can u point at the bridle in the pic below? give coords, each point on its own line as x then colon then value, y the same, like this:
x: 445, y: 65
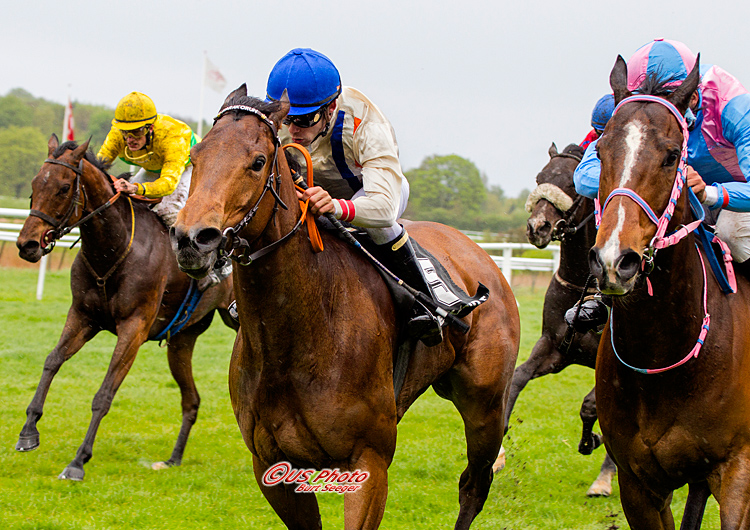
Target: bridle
x: 660, y: 239
x: 232, y: 245
x: 553, y: 194
x: 61, y: 227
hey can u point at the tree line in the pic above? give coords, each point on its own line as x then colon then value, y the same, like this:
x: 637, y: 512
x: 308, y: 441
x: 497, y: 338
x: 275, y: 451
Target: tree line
x: 448, y: 189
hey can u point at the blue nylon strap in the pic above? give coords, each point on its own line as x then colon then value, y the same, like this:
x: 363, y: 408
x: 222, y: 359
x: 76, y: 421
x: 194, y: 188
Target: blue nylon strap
x: 192, y: 298
x: 337, y: 148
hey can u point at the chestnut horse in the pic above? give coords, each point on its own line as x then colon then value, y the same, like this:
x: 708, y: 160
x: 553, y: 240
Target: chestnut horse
x: 559, y: 213
x: 311, y: 376
x: 124, y: 280
x: 671, y: 375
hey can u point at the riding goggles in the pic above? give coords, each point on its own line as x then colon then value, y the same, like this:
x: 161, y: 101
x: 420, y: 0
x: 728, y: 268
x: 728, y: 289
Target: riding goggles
x: 305, y: 121
x: 135, y: 133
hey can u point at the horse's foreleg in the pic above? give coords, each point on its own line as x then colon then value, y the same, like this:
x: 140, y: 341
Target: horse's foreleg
x: 298, y: 511
x: 131, y: 334
x: 364, y: 509
x: 76, y: 333
x: 544, y: 359
x: 643, y: 508
x: 180, y: 356
x: 695, y: 505
x: 602, y: 486
x: 589, y: 440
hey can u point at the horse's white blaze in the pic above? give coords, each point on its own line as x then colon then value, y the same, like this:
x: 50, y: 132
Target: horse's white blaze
x: 633, y: 142
x: 611, y: 249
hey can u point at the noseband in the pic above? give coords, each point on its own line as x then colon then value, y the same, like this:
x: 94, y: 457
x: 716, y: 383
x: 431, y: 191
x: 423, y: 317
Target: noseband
x: 562, y: 202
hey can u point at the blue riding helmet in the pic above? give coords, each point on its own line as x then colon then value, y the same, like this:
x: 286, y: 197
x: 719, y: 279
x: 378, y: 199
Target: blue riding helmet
x: 309, y: 77
x: 602, y: 112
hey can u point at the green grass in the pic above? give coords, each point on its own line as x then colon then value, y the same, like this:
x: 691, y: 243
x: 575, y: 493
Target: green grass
x: 542, y: 487
x: 14, y: 202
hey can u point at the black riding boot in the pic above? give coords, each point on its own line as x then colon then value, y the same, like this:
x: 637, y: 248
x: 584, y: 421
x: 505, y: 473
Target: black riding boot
x: 399, y: 254
x: 594, y: 313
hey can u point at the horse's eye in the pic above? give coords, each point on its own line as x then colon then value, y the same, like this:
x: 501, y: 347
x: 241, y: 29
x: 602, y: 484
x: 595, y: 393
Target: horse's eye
x: 671, y: 159
x: 64, y: 189
x: 259, y: 163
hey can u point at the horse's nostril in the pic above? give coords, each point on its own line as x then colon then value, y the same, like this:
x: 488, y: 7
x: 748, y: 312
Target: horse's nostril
x: 595, y: 264
x: 628, y: 265
x: 208, y: 237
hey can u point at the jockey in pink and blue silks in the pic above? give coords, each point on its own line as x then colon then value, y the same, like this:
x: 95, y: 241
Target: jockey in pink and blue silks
x: 718, y: 145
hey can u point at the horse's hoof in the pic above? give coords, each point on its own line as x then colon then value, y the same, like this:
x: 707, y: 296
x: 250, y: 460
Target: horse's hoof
x: 586, y: 447
x: 27, y: 443
x: 500, y: 461
x: 600, y: 488
x: 72, y: 473
x: 160, y: 465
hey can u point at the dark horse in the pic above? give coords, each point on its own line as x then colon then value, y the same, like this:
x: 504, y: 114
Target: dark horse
x: 559, y: 213
x: 124, y: 280
x: 672, y: 412
x: 311, y: 376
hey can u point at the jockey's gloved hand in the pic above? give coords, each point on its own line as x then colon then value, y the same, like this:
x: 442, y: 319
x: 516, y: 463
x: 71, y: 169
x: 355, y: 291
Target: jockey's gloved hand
x: 592, y: 315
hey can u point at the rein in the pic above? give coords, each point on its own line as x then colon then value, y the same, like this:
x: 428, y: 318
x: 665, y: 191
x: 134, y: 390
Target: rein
x: 237, y: 248
x: 660, y: 239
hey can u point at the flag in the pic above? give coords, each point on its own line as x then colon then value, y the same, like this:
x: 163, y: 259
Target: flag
x: 68, y: 123
x: 213, y: 78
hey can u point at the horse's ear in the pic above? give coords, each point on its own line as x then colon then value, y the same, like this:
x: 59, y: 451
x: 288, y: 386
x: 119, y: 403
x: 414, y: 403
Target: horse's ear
x: 283, y: 110
x: 239, y: 91
x: 618, y: 80
x: 52, y: 144
x: 552, y: 150
x: 680, y: 98
x: 80, y: 151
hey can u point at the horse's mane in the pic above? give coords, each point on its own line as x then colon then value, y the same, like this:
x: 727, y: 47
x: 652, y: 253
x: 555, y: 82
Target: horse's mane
x: 90, y: 157
x: 573, y: 149
x: 266, y: 107
x: 658, y: 83
x: 98, y: 163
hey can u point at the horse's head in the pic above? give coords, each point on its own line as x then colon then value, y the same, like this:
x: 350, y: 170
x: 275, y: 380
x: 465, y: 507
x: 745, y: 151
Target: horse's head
x: 552, y: 202
x: 233, y: 167
x: 640, y: 154
x: 56, y: 198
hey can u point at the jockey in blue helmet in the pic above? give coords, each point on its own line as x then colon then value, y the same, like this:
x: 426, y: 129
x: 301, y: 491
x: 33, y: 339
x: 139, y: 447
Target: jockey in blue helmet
x: 599, y: 117
x: 358, y: 176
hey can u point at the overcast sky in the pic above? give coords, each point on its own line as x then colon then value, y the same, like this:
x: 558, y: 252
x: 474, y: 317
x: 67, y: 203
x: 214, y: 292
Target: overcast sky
x: 492, y: 81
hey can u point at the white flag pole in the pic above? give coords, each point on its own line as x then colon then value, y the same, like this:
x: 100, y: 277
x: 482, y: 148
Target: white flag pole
x: 203, y: 93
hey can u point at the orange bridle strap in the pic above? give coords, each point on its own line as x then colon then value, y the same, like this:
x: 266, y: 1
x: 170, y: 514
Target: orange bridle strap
x: 312, y: 228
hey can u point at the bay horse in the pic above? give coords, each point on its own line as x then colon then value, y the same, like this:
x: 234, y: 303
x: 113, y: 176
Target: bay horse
x: 124, y: 280
x: 559, y: 213
x: 671, y: 375
x: 311, y: 375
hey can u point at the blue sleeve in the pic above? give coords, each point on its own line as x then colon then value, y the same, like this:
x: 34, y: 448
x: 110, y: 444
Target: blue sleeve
x: 586, y: 176
x: 735, y: 123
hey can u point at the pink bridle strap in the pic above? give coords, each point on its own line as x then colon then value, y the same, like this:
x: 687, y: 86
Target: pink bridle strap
x: 698, y: 344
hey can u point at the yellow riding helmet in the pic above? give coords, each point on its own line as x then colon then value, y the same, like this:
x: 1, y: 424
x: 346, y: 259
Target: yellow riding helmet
x: 133, y: 111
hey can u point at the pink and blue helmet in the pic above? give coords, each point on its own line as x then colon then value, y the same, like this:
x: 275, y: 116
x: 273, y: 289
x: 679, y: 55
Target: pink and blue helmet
x: 666, y: 58
x: 309, y: 77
